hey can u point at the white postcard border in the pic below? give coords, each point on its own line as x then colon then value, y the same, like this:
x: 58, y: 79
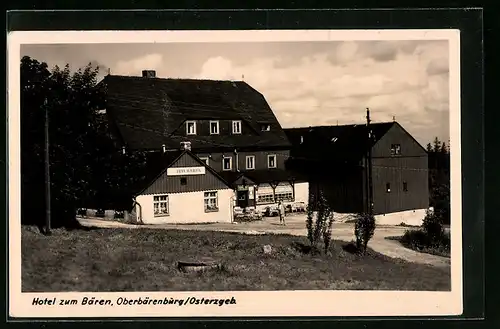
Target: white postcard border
x: 248, y: 303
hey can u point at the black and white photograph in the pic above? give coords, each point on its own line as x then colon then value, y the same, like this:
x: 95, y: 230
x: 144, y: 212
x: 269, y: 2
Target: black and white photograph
x: 234, y: 173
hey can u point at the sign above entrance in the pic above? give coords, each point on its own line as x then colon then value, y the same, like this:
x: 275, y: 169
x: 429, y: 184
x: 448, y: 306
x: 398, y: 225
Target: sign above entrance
x: 183, y: 171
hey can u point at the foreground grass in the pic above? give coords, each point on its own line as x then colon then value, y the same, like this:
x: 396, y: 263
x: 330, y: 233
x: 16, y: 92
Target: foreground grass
x: 145, y: 260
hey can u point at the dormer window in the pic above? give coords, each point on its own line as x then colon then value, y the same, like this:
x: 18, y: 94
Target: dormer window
x: 237, y: 127
x: 190, y: 127
x: 265, y: 127
x: 214, y: 127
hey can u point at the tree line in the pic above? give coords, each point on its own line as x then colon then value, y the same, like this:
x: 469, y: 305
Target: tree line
x: 439, y: 178
x: 87, y: 166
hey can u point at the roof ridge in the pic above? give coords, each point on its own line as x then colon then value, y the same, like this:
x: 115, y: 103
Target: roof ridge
x: 344, y: 125
x: 171, y: 78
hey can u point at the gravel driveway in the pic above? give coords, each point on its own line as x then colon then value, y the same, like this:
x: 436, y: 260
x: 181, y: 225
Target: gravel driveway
x: 295, y: 225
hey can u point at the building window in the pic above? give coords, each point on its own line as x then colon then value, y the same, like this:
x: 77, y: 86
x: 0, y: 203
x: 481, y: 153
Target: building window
x: 250, y: 162
x: 227, y: 163
x: 388, y: 187
x: 190, y: 128
x: 396, y: 149
x: 236, y: 127
x: 265, y: 127
x: 405, y: 187
x: 205, y: 159
x: 160, y: 205
x: 265, y: 198
x: 280, y: 196
x: 211, y: 203
x: 284, y: 196
x: 214, y: 127
x: 184, y: 181
x: 271, y: 161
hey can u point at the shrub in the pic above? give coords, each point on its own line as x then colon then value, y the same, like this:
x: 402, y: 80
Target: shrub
x: 364, y: 229
x: 419, y: 240
x: 319, y: 226
x: 433, y: 227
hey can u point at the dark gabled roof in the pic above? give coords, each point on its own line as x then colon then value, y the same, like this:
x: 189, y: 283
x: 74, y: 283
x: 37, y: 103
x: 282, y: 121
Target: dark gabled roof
x: 346, y: 143
x: 148, y: 111
x: 263, y: 176
x: 158, y: 162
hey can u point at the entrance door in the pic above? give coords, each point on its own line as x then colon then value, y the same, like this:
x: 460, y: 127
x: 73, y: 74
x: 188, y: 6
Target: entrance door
x: 242, y: 199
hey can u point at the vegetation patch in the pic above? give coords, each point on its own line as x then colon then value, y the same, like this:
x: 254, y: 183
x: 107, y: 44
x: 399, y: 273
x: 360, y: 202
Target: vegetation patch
x: 431, y: 238
x: 147, y: 259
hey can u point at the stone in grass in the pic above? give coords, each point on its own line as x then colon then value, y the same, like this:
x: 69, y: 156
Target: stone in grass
x: 267, y: 249
x: 198, y: 265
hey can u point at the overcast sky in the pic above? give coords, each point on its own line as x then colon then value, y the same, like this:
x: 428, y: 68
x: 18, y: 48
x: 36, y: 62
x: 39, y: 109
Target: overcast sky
x: 305, y: 83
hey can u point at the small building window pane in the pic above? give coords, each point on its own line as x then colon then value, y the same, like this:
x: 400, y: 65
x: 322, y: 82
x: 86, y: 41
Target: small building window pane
x: 211, y: 202
x: 183, y: 180
x: 388, y: 187
x: 405, y: 187
x: 160, y: 205
x: 236, y: 127
x: 227, y: 163
x: 250, y: 162
x: 271, y: 161
x: 214, y: 127
x: 396, y: 149
x: 265, y: 127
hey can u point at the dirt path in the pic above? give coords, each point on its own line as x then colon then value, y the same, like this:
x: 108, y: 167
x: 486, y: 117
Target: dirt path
x: 296, y: 226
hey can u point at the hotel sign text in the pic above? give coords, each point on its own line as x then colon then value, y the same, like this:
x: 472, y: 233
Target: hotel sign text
x: 183, y: 171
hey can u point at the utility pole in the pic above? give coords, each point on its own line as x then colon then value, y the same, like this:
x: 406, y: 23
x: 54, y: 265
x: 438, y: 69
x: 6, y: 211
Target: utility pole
x: 47, y: 172
x: 369, y: 165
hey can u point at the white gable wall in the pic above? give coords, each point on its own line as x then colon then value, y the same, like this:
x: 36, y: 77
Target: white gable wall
x: 187, y: 208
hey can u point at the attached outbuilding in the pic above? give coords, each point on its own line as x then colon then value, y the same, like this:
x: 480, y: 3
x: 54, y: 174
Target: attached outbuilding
x: 186, y: 190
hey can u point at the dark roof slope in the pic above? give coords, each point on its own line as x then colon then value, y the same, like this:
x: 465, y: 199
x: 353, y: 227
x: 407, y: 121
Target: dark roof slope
x: 148, y: 111
x: 344, y: 143
x: 264, y: 176
x: 158, y: 162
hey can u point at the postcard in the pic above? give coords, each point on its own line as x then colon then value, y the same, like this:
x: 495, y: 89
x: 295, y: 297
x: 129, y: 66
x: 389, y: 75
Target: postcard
x: 267, y: 173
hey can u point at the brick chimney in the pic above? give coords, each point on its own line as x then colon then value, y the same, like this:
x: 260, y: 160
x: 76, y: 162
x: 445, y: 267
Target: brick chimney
x: 149, y: 74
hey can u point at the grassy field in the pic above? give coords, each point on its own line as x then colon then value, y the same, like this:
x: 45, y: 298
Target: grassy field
x: 146, y: 259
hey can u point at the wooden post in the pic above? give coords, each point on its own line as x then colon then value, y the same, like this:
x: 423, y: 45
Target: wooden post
x: 369, y: 167
x: 292, y: 183
x: 47, y: 173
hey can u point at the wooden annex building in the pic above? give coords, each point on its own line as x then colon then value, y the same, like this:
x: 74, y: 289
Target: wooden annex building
x: 335, y: 160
